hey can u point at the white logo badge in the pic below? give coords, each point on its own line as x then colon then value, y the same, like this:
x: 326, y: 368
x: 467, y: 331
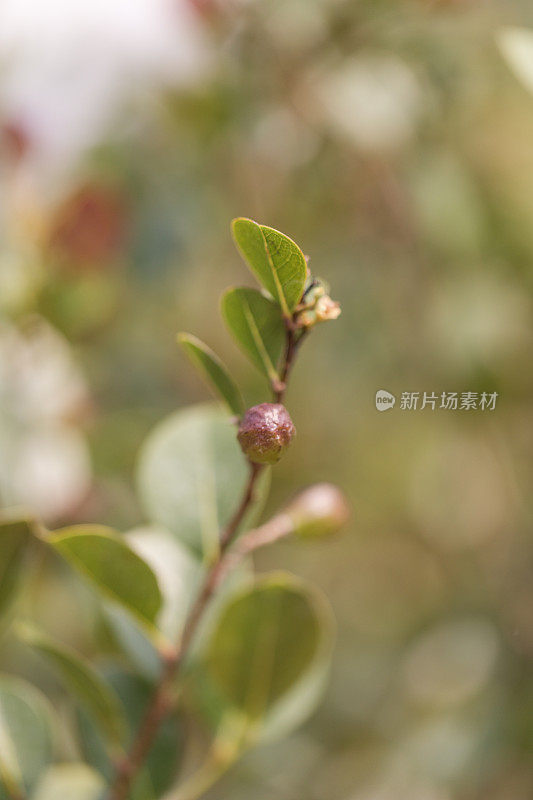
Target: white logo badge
x: 384, y: 400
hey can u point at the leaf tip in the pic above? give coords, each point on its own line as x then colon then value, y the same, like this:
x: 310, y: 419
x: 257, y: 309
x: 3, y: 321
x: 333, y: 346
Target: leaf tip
x: 183, y: 338
x: 240, y: 223
x: 236, y: 220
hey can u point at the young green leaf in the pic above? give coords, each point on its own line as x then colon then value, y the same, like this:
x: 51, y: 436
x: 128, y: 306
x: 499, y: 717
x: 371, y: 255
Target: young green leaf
x: 213, y: 370
x: 191, y: 476
x: 103, y: 557
x: 266, y: 645
x: 276, y: 261
x: 257, y: 326
x: 14, y: 536
x: 70, y: 781
x: 83, y: 681
x: 25, y: 736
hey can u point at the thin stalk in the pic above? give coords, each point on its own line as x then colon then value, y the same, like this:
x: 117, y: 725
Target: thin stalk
x: 162, y: 698
x: 293, y: 342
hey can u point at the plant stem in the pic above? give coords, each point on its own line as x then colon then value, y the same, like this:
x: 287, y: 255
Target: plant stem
x: 231, y: 528
x: 161, y: 700
x: 276, y: 528
x: 292, y: 344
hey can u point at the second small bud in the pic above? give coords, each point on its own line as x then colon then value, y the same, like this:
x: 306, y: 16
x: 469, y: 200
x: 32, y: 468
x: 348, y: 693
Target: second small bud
x: 319, y: 510
x: 265, y: 432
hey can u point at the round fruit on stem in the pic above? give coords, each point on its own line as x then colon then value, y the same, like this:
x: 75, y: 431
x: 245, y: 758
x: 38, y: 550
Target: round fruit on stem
x: 265, y: 433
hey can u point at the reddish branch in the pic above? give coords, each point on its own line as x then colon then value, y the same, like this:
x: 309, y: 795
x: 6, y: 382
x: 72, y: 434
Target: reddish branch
x: 162, y: 698
x: 293, y: 341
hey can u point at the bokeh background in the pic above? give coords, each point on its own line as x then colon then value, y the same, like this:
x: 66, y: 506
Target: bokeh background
x: 393, y: 142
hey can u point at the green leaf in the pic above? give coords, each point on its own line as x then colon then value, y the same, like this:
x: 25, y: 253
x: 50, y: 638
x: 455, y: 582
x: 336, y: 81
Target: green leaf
x: 301, y: 701
x: 179, y: 575
x: 104, y: 558
x: 14, y: 537
x: 138, y: 646
x: 25, y: 736
x: 276, y: 261
x: 256, y: 324
x: 70, y: 782
x: 213, y: 370
x: 192, y: 474
x: 168, y: 748
x: 83, y: 681
x: 266, y: 653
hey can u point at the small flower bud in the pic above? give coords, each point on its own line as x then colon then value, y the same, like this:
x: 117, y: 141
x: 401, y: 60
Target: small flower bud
x: 327, y: 309
x: 265, y: 432
x: 316, y: 305
x: 320, y: 510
